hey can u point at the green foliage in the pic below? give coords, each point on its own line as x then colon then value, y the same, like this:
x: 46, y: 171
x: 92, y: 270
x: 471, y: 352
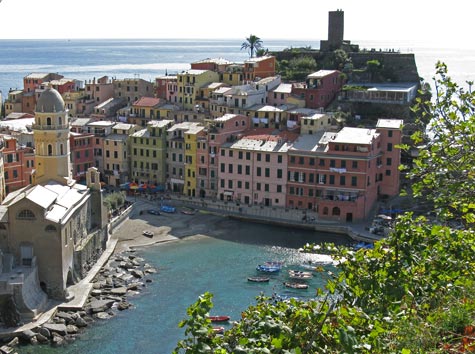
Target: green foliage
x: 253, y: 44
x: 114, y: 200
x: 444, y: 173
x: 298, y: 68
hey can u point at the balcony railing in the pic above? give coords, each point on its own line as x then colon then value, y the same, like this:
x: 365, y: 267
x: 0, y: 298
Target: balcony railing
x: 49, y: 127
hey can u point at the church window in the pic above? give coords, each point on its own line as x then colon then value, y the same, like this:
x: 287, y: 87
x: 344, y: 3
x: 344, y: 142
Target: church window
x: 60, y: 121
x: 50, y: 228
x: 61, y: 149
x: 50, y: 150
x: 26, y: 214
x: 48, y: 121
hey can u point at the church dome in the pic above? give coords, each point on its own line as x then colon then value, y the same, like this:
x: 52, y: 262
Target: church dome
x: 50, y: 101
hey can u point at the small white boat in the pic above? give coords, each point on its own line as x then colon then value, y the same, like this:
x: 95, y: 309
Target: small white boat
x: 300, y: 273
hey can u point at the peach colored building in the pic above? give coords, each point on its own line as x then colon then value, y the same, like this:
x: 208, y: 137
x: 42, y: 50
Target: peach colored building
x: 259, y: 67
x: 219, y: 131
x: 341, y: 174
x: 82, y: 153
x: 253, y: 170
x: 166, y: 88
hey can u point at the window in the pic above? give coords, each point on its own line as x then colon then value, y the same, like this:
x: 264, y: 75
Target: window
x: 258, y: 186
x: 354, y: 181
x: 279, y: 173
x: 223, y: 167
x: 390, y: 147
x: 267, y: 157
x: 248, y: 155
x: 246, y: 185
x: 266, y: 187
x: 279, y: 158
x: 279, y: 188
x: 342, y: 180
x: 389, y: 161
x: 332, y: 163
x: 311, y: 161
x: 240, y: 154
x: 230, y: 168
x: 292, y: 159
x: 267, y: 172
x: 248, y: 170
x: 388, y: 172
x: 332, y: 179
x: 258, y: 157
x: 301, y: 160
x: 259, y: 172
x: 354, y: 164
x: 322, y: 162
x: 222, y: 152
x: 239, y: 169
x: 50, y: 228
x: 239, y: 184
x: 390, y: 133
x: 50, y: 150
x: 26, y: 214
x: 343, y: 163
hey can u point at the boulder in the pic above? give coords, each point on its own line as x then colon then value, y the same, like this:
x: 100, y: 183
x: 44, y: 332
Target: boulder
x: 72, y: 329
x: 58, y: 328
x: 41, y: 338
x: 57, y: 341
x: 80, y: 322
x: 119, y: 291
x: 99, y: 305
x: 34, y: 340
x: 27, y: 334
x: 45, y: 332
x: 123, y: 305
x: 137, y: 273
x: 103, y: 315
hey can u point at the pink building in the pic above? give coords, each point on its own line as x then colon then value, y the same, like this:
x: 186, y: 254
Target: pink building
x: 340, y: 175
x: 253, y: 170
x: 19, y: 162
x: 82, y: 153
x: 259, y: 67
x: 280, y: 95
x: 166, y: 88
x: 219, y: 131
x: 321, y: 88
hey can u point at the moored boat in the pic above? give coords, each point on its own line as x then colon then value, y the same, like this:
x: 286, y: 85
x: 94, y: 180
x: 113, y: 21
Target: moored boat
x: 300, y: 276
x: 268, y: 268
x: 258, y: 279
x: 300, y: 272
x: 218, y: 330
x: 296, y: 285
x: 218, y: 318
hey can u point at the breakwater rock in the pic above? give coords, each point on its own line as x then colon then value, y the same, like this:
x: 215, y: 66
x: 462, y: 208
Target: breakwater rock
x: 123, y: 276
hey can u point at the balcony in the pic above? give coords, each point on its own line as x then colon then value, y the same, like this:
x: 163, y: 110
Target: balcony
x: 49, y: 127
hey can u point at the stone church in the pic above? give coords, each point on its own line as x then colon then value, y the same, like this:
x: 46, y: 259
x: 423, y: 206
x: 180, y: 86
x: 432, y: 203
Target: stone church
x: 54, y: 230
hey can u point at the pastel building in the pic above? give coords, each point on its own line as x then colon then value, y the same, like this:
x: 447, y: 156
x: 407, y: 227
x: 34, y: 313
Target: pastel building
x: 148, y: 153
x: 280, y: 95
x: 341, y: 174
x: 82, y: 154
x: 130, y: 90
x: 218, y: 132
x: 259, y: 67
x: 191, y: 143
x: 321, y: 88
x: 144, y: 110
x: 176, y: 155
x: 2, y: 170
x: 19, y: 162
x: 101, y: 129
x: 314, y: 123
x: 189, y: 84
x: 253, y: 170
x: 14, y: 102
x: 116, y: 154
x: 166, y: 88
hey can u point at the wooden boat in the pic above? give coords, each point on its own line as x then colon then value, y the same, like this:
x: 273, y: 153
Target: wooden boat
x: 218, y: 318
x: 296, y: 285
x: 258, y: 279
x: 268, y: 268
x: 300, y: 275
x: 300, y: 272
x: 218, y: 330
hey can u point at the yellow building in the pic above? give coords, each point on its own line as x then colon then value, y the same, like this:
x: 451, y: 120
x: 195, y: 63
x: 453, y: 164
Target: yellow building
x: 189, y: 84
x: 2, y: 170
x: 191, y: 139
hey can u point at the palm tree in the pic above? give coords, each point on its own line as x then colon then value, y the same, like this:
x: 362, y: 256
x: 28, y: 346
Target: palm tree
x: 252, y: 43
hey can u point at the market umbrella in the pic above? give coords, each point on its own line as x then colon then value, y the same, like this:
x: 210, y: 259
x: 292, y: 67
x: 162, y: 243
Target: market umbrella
x: 133, y: 186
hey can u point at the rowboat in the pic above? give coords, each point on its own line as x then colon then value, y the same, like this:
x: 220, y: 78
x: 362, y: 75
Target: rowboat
x: 296, y: 285
x: 218, y: 318
x: 300, y: 274
x: 218, y: 330
x: 258, y: 279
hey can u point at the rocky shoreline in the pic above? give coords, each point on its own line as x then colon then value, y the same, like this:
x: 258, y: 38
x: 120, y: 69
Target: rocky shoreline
x: 122, y: 277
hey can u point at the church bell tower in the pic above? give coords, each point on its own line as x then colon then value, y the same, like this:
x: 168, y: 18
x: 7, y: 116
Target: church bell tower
x: 51, y: 135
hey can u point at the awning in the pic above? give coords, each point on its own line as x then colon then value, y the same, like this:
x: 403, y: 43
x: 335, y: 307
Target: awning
x: 228, y: 193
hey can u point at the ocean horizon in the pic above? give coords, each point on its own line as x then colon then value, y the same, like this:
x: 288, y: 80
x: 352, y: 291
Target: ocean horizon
x: 85, y: 59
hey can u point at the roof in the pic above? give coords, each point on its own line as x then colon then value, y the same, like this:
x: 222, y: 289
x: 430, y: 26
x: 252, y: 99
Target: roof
x: 266, y: 143
x: 36, y: 76
x: 218, y: 61
x: 397, y: 86
x: 215, y: 85
x: 315, y: 116
x: 194, y: 72
x: 389, y: 123
x: 147, y: 102
x: 18, y: 115
x: 321, y: 73
x: 20, y: 125
x: 223, y: 90
x: 79, y: 122
x: 311, y: 142
x: 116, y: 137
x: 225, y: 117
x: 350, y: 135
x: 159, y: 123
x: 123, y: 126
x: 269, y: 109
x: 283, y: 88
x: 182, y: 126
x: 101, y: 123
x: 257, y: 59
x: 50, y: 101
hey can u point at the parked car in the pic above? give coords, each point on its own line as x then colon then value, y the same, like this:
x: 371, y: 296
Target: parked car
x: 153, y: 211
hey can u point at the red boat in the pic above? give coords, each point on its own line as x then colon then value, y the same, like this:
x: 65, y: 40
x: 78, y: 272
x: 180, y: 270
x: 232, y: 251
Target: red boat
x: 218, y: 318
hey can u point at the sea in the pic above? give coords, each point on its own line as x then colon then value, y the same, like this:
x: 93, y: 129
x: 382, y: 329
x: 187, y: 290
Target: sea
x: 193, y: 265
x: 149, y: 58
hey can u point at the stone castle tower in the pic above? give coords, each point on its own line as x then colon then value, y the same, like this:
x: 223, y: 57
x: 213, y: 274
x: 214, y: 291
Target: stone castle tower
x: 51, y: 135
x: 336, y: 26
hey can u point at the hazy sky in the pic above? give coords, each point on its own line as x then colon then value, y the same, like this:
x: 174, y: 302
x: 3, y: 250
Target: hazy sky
x: 448, y: 21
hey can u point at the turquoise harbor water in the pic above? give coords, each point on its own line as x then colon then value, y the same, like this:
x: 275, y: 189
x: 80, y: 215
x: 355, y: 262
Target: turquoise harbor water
x: 188, y: 268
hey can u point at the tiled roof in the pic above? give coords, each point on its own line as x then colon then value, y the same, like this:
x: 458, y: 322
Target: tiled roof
x: 147, y: 102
